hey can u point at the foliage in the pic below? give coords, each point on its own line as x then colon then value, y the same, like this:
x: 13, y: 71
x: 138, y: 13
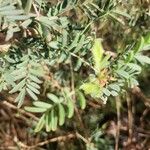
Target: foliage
x: 110, y: 78
x: 59, y: 62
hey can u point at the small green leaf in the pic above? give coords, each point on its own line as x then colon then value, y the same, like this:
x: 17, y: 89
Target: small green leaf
x: 74, y: 43
x: 129, y: 57
x: 42, y: 104
x: 48, y: 122
x: 70, y: 105
x: 23, y: 64
x: 91, y: 88
x: 106, y: 92
x: 147, y: 39
x: 7, y: 7
x: 143, y: 59
x: 61, y: 112
x: 21, y: 97
x: 53, y: 97
x: 35, y: 85
x: 62, y: 57
x: 35, y: 109
x: 139, y: 46
x: 40, y: 124
x: 18, y: 17
x: 82, y: 100
x: 80, y: 44
x: 78, y: 65
x: 31, y: 93
x: 35, y: 79
x: 53, y: 44
x: 18, y: 86
x: 18, y: 71
x: 11, y: 13
x: 55, y: 123
x: 20, y: 76
x: 114, y: 93
x: 26, y: 23
x: 65, y: 38
x: 123, y: 73
x: 104, y: 62
x: 38, y: 73
x: 134, y: 67
x: 97, y: 52
x: 54, y: 120
x: 33, y: 89
x: 114, y: 87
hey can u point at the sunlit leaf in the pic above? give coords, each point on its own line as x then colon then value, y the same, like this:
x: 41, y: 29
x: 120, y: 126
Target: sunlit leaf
x: 97, y: 52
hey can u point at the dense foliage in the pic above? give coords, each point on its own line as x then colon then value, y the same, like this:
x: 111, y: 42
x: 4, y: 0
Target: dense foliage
x: 59, y: 57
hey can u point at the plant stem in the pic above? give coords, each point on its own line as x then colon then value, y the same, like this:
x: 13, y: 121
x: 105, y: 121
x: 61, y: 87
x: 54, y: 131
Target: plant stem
x: 118, y: 104
x: 130, y: 118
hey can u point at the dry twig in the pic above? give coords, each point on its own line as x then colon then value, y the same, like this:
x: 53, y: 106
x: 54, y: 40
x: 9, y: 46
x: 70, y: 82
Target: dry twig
x: 20, y: 110
x: 56, y: 139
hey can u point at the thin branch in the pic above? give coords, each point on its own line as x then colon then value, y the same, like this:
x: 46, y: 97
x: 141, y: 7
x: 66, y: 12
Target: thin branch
x: 82, y: 138
x: 118, y: 104
x: 137, y: 91
x: 36, y: 11
x: 20, y: 110
x: 56, y: 139
x: 145, y: 112
x: 74, y: 96
x: 94, y: 105
x: 130, y: 118
x: 72, y: 79
x: 85, y: 62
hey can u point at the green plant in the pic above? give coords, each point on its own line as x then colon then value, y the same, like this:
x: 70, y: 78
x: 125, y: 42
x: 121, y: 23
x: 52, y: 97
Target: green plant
x: 58, y: 62
x: 111, y: 79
